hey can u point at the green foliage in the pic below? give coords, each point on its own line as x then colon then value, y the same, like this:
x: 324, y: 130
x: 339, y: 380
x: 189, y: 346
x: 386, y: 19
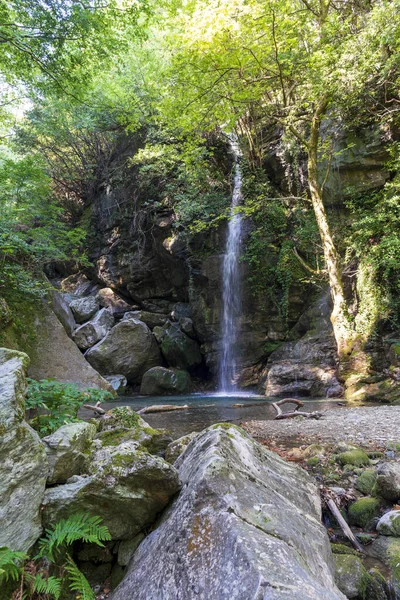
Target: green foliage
x: 52, y: 404
x: 54, y: 554
x: 77, y: 581
x: 187, y: 174
x: 374, y: 240
x: 281, y: 228
x: 77, y: 527
x: 48, y: 585
x: 9, y: 563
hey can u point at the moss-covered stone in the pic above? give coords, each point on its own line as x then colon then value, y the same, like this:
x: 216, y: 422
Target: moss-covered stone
x: 342, y: 549
x: 366, y: 481
x: 389, y: 524
x: 362, y: 511
x: 350, y: 575
x: 357, y: 457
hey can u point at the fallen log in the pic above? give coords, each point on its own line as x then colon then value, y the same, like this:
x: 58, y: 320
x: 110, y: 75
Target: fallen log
x: 154, y: 408
x: 345, y: 528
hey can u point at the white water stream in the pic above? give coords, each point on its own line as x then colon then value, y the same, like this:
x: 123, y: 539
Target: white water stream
x: 231, y: 295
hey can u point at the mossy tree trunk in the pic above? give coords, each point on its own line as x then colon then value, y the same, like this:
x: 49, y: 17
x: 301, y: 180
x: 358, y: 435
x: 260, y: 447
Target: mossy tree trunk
x: 340, y: 322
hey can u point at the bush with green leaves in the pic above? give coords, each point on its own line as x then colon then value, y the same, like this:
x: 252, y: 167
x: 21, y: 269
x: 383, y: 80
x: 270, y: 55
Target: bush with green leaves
x: 51, y: 404
x: 374, y: 240
x: 53, y: 569
x: 283, y: 247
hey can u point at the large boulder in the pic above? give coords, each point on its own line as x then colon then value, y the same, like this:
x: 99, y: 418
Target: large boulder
x: 151, y: 319
x: 129, y: 349
x: 67, y: 451
x: 13, y: 365
x: 127, y: 487
x: 159, y: 381
x: 246, y: 525
x: 63, y: 312
x: 78, y: 285
x: 23, y: 462
x: 88, y: 334
x: 123, y: 424
x: 84, y: 308
x: 54, y: 355
x: 350, y: 575
x: 178, y: 349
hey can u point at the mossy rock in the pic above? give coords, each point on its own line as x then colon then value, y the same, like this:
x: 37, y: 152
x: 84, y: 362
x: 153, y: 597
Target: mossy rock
x: 389, y: 524
x: 357, y: 458
x: 366, y: 481
x: 342, y: 549
x: 362, y: 511
x: 351, y: 576
x: 313, y: 461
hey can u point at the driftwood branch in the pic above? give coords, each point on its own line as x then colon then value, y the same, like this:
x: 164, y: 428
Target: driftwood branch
x: 160, y: 408
x: 96, y: 408
x: 345, y: 528
x: 295, y: 413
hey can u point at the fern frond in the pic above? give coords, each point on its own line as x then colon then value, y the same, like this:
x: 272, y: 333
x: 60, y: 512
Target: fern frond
x: 77, y: 527
x: 47, y: 585
x: 78, y: 582
x: 8, y: 567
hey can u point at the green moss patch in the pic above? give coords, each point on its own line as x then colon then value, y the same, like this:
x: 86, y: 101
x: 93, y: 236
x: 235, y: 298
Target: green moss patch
x: 366, y: 481
x: 362, y: 511
x: 342, y: 549
x: 357, y: 458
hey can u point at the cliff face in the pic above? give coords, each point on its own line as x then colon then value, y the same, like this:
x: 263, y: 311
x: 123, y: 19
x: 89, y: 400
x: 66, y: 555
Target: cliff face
x: 142, y: 251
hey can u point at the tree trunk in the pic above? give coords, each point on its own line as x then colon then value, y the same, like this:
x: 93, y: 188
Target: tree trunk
x: 339, y: 317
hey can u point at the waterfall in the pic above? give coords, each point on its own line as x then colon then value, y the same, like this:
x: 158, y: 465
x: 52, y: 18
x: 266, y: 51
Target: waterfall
x: 231, y: 300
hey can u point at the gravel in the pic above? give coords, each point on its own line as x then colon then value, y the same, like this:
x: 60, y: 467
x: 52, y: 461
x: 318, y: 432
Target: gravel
x: 364, y: 426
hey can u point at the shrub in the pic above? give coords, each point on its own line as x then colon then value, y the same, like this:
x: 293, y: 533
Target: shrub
x: 52, y: 404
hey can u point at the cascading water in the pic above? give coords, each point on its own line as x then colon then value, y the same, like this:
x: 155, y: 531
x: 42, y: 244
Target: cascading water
x: 231, y: 297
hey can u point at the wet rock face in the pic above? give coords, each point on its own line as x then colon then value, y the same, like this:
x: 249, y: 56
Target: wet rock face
x: 129, y: 349
x: 306, y: 366
x: 246, y: 525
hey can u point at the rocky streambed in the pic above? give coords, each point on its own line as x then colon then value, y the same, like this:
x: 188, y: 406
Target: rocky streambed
x: 211, y: 516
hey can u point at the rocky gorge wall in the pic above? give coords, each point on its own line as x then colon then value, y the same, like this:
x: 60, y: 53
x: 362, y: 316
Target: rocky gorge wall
x: 140, y: 251
x: 148, y: 264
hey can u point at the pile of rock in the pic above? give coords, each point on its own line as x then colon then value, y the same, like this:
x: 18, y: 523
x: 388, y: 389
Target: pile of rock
x: 243, y: 522
x: 366, y: 485
x: 125, y: 343
x: 111, y: 468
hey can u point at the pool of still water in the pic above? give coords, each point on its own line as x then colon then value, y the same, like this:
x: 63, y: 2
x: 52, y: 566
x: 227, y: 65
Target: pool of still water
x: 207, y: 409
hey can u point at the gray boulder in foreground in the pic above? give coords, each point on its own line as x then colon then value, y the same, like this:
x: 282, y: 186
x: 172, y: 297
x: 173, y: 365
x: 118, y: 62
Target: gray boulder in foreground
x: 246, y: 526
x: 23, y: 462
